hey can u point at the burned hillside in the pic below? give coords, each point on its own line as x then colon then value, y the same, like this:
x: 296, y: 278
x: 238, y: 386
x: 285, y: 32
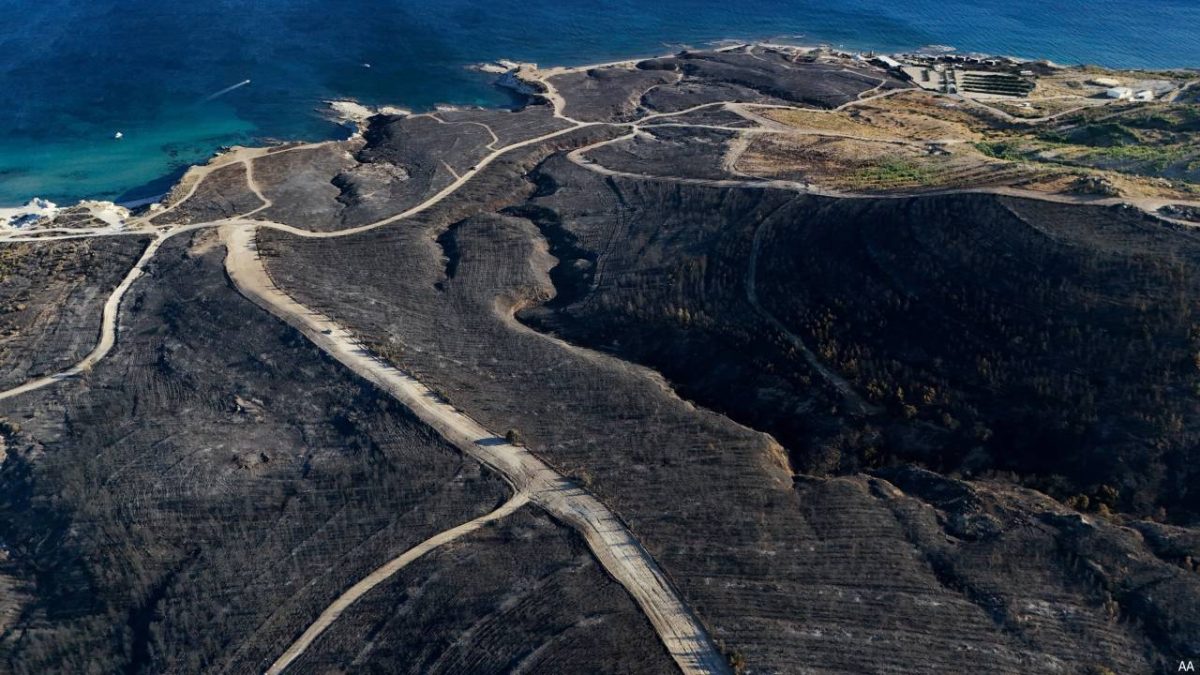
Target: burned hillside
x: 207, y: 489
x: 52, y: 297
x: 749, y: 360
x: 1065, y: 353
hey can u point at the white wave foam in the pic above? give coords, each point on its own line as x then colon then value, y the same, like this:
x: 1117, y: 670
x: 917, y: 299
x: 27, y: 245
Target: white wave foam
x: 29, y: 214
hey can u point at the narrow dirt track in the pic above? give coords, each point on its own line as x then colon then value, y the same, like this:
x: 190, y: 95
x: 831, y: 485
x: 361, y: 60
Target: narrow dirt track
x: 839, y: 383
x: 108, y: 329
x: 1145, y: 204
x: 382, y: 574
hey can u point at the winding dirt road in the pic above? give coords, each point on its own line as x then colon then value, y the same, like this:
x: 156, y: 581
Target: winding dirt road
x: 832, y: 378
x: 618, y: 551
x: 108, y: 329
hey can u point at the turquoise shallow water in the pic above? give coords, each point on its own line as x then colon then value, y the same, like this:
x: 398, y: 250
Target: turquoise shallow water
x: 73, y: 72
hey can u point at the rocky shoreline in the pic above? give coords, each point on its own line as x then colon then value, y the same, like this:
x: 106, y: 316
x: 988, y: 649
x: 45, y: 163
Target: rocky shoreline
x: 513, y: 76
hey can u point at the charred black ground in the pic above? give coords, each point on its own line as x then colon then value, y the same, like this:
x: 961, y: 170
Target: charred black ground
x: 859, y: 432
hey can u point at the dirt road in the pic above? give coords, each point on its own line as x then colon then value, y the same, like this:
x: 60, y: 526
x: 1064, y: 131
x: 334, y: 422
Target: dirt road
x: 108, y: 329
x: 621, y: 555
x: 832, y: 378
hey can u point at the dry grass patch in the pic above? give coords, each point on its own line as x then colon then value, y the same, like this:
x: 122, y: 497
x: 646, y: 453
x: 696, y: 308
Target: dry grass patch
x: 852, y: 165
x: 912, y: 116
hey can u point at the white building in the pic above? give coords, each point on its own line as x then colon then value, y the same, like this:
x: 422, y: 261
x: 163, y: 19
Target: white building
x: 888, y: 62
x: 1120, y: 93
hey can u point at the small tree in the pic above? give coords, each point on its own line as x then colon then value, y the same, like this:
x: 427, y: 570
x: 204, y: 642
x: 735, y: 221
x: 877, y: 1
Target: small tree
x: 582, y: 477
x: 8, y: 427
x: 514, y: 437
x: 737, y: 661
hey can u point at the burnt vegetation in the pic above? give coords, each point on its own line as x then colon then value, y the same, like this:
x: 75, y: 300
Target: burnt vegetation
x: 1066, y: 339
x: 659, y: 273
x: 523, y: 594
x: 1054, y: 344
x: 191, y: 506
x: 51, y: 300
x: 937, y: 432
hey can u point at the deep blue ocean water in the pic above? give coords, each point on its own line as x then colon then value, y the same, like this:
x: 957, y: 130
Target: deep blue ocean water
x: 73, y: 72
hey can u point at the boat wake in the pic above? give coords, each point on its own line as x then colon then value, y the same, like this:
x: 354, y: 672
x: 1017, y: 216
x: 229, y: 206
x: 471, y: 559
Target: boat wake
x: 226, y: 90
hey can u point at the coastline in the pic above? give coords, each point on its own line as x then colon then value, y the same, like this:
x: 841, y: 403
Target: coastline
x: 354, y: 115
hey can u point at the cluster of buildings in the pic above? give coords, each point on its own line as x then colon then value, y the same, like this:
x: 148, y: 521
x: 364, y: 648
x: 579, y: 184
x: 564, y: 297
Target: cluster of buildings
x: 1128, y: 94
x: 1114, y: 89
x: 1003, y: 77
x: 988, y: 77
x: 961, y: 74
x: 1135, y: 90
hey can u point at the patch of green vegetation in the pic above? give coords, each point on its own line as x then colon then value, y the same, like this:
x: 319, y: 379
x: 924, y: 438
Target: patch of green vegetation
x: 1152, y: 157
x: 1104, y: 135
x: 1000, y: 150
x: 895, y: 171
x: 1177, y: 118
x: 1148, y: 143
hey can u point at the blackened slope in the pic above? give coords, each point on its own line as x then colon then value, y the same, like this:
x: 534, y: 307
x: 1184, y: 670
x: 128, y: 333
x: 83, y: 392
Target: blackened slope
x: 787, y: 577
x: 509, y: 126
x: 667, y: 151
x: 995, y: 334
x: 428, y: 153
x: 1005, y: 547
x: 198, y: 498
x: 523, y: 595
x: 657, y: 274
x: 1055, y: 341
x: 300, y: 184
x: 223, y: 194
x: 51, y: 297
x: 400, y: 162
x: 691, y: 78
x: 765, y: 76
x: 608, y: 94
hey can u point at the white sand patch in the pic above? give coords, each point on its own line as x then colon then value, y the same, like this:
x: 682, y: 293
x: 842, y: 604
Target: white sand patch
x: 108, y: 212
x: 353, y: 111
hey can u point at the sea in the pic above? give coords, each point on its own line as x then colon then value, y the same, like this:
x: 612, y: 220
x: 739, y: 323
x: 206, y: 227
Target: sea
x: 171, y: 75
